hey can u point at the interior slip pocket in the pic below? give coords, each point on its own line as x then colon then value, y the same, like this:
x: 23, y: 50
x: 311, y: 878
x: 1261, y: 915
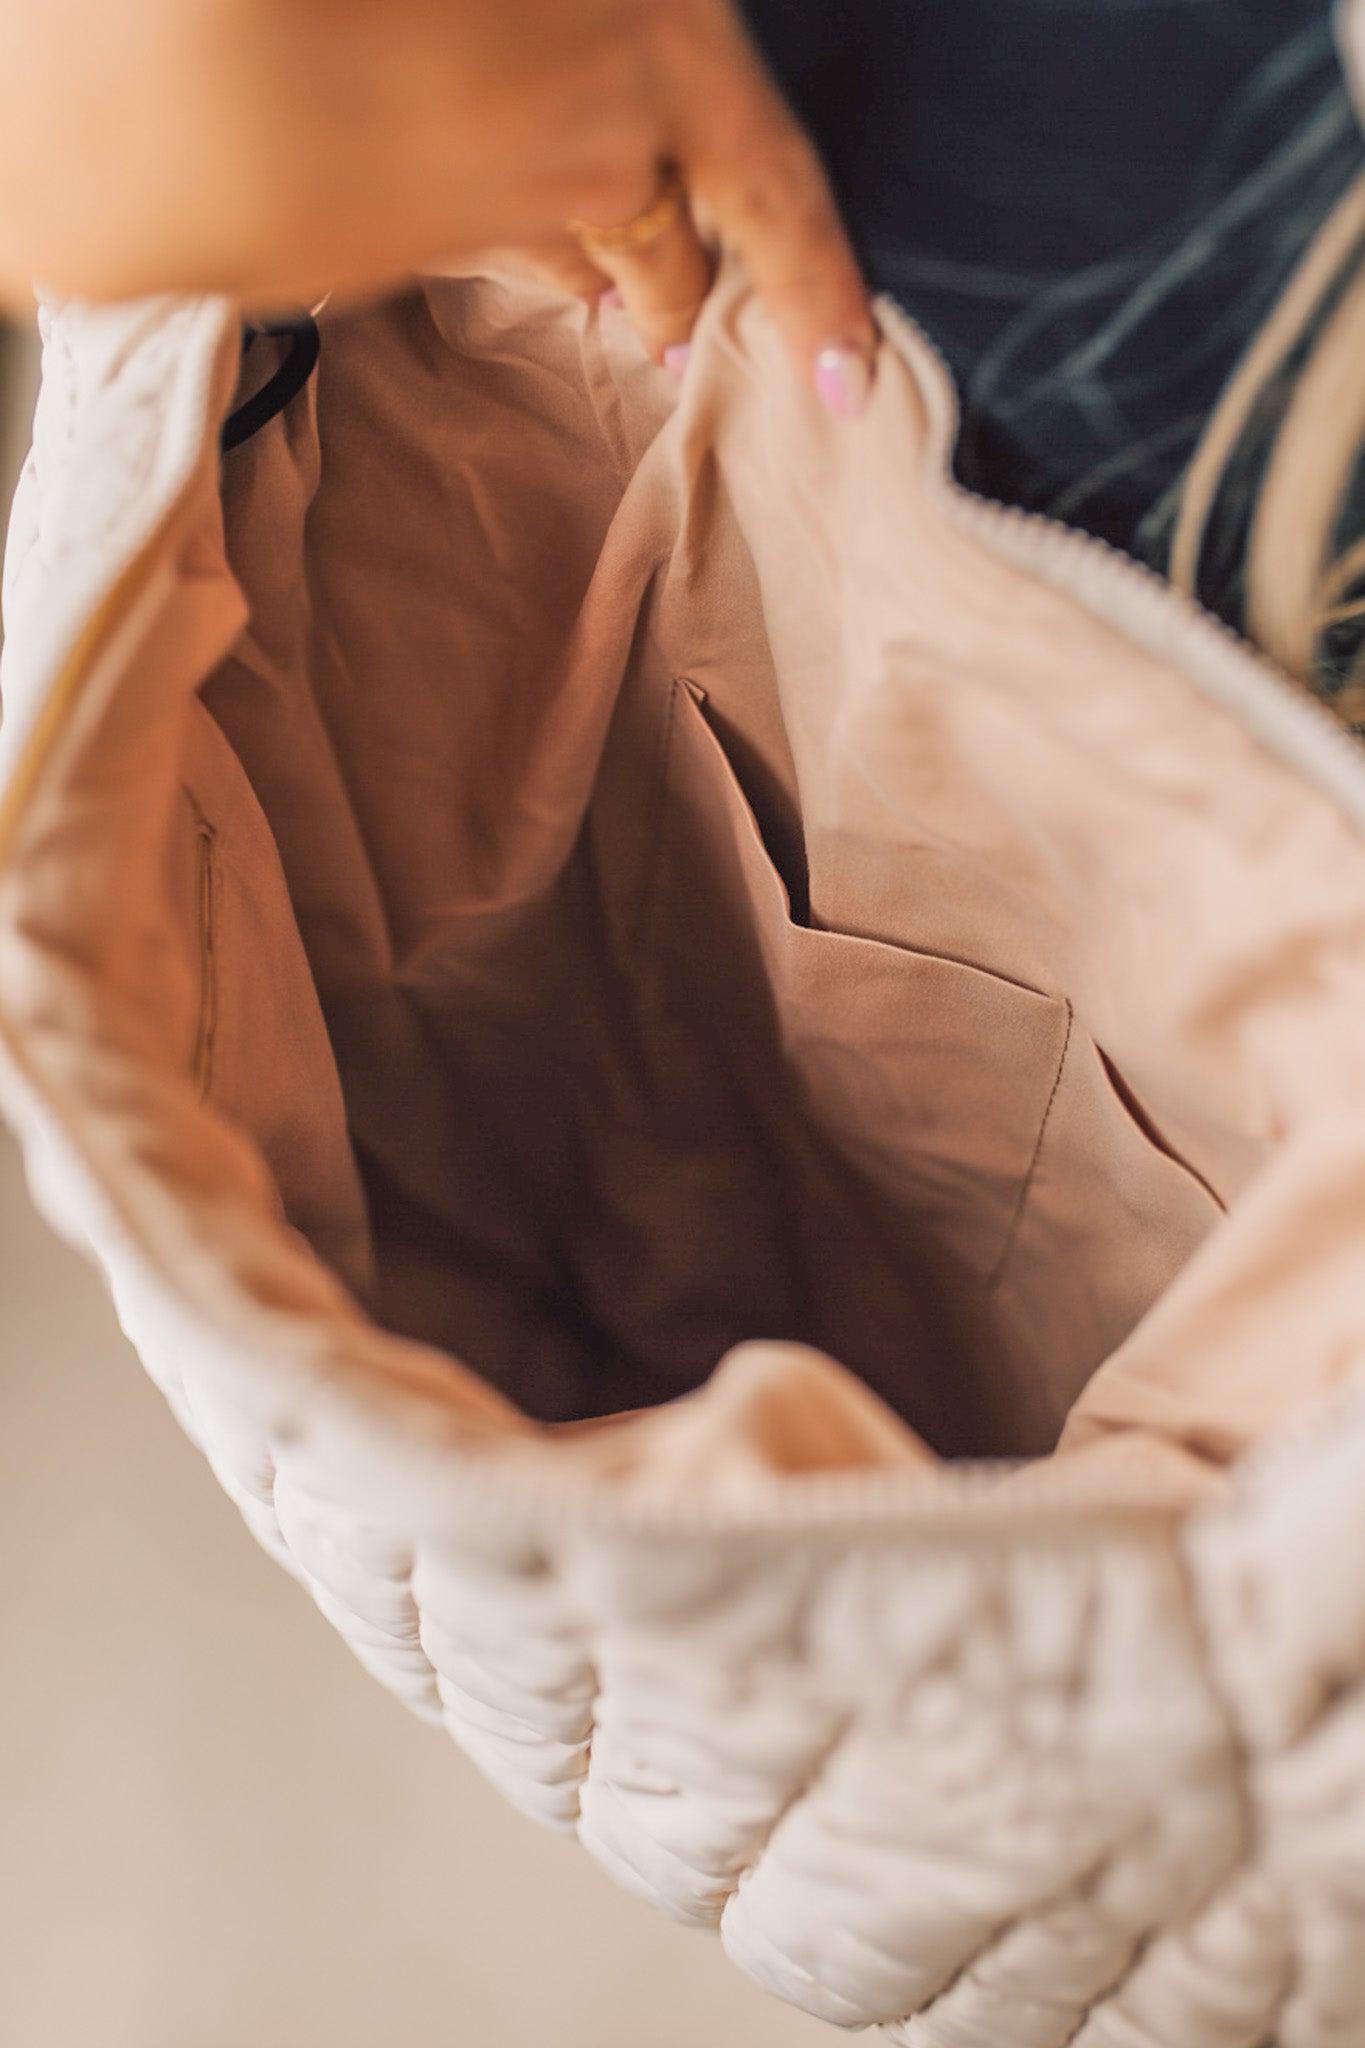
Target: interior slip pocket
x: 1023, y: 1200
x: 932, y: 1075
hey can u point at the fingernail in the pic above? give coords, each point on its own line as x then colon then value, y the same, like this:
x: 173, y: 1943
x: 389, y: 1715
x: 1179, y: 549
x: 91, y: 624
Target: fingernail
x: 843, y: 381
x: 677, y: 356
x: 612, y: 296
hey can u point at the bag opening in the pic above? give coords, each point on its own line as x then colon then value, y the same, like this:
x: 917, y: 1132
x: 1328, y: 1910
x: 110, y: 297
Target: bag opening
x: 645, y: 878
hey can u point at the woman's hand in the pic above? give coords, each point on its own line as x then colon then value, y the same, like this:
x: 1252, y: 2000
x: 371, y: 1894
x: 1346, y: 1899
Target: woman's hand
x: 278, y: 148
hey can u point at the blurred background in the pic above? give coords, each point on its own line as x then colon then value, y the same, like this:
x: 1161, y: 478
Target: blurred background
x: 215, y: 1830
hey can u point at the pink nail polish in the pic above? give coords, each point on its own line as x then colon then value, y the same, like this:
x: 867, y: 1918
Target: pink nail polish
x: 843, y: 381
x: 612, y: 297
x: 677, y: 356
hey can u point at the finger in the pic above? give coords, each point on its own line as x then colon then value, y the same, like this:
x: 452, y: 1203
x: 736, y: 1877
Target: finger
x: 748, y: 162
x: 662, y: 281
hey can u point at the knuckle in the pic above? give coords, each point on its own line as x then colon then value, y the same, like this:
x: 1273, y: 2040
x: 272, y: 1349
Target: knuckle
x: 776, y: 207
x: 779, y: 184
x: 754, y: 201
x: 614, y: 191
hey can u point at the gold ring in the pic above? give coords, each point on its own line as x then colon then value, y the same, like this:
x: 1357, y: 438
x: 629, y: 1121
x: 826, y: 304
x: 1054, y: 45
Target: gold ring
x: 666, y: 207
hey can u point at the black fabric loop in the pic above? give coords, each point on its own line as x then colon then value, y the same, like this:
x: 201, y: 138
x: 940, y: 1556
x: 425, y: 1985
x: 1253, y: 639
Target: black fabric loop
x: 287, y: 382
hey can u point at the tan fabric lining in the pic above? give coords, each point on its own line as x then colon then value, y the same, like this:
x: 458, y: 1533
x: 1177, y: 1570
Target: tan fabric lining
x: 615, y: 1110
x: 718, y: 878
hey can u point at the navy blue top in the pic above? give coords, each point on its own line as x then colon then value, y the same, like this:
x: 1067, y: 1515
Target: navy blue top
x: 1090, y: 205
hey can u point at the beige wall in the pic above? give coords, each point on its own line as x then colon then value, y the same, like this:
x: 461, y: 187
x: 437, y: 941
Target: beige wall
x: 215, y: 1830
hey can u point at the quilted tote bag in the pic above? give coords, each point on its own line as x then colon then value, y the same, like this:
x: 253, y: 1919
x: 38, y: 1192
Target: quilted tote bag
x: 728, y: 1089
